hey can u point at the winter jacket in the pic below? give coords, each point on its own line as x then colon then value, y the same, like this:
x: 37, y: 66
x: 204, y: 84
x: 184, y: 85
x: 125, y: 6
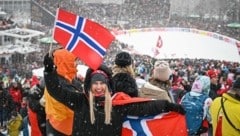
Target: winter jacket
x: 13, y: 126
x: 154, y: 89
x: 125, y: 82
x: 58, y: 114
x: 232, y: 108
x: 16, y: 94
x: 6, y: 102
x: 150, y: 91
x: 213, y: 91
x: 79, y: 103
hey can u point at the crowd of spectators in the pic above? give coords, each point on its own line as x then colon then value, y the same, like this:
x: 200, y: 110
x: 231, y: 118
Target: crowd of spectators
x: 137, y: 14
x: 140, y: 14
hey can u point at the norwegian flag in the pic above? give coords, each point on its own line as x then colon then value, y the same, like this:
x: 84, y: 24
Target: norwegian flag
x: 86, y: 39
x: 166, y: 124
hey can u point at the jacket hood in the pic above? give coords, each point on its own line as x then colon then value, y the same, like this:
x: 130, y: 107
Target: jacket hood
x: 65, y: 63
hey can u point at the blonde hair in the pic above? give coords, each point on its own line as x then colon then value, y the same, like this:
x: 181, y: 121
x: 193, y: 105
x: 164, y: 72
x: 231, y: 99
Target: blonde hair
x: 127, y: 69
x: 107, y: 106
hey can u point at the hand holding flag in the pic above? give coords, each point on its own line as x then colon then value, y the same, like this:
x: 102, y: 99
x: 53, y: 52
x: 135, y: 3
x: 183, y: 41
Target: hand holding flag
x: 86, y: 39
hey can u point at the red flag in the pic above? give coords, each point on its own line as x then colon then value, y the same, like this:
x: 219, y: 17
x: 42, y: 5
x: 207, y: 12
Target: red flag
x: 158, y: 46
x: 86, y: 39
x: 166, y: 124
x: 159, y: 42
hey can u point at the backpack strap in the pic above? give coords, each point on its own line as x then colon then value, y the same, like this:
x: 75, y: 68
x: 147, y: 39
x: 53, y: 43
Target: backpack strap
x: 218, y: 131
x: 225, y: 114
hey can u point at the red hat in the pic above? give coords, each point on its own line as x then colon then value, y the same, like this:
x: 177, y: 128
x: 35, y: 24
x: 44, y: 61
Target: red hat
x: 212, y: 74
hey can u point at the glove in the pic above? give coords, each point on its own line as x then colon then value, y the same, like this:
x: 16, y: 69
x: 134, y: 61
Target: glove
x: 48, y: 63
x: 176, y: 107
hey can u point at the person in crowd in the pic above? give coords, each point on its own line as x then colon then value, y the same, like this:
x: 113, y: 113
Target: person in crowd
x: 159, y: 84
x: 24, y: 106
x: 59, y: 116
x: 14, y: 124
x: 6, y: 106
x: 225, y: 112
x: 140, y: 81
x: 16, y: 93
x: 94, y: 109
x: 197, y: 103
x: 123, y: 74
x: 36, y: 112
x: 34, y: 81
x: 226, y: 84
x: 215, y: 86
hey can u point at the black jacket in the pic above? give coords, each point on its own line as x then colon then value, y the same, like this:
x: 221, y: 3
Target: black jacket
x: 35, y: 106
x: 78, y: 102
x: 123, y: 82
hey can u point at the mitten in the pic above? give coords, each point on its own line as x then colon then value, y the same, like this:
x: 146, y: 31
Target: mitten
x: 48, y: 63
x: 176, y: 107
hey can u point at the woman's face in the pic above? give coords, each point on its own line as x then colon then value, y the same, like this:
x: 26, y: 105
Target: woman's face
x: 98, y: 88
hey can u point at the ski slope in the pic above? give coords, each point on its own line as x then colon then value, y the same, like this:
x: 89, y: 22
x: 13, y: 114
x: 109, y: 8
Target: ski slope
x: 181, y: 43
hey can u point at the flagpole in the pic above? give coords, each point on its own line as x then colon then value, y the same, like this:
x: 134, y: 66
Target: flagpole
x: 51, y: 45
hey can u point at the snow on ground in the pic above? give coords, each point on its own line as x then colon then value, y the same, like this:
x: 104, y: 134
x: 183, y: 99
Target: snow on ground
x: 180, y: 44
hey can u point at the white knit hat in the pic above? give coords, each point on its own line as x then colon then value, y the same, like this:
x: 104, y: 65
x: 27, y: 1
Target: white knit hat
x: 161, y: 71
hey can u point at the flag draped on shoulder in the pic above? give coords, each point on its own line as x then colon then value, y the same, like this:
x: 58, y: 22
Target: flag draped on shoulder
x: 165, y: 124
x: 86, y: 39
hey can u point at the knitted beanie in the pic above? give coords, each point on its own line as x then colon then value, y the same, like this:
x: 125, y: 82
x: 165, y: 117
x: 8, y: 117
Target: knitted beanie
x: 123, y: 59
x: 161, y: 71
x: 103, y: 73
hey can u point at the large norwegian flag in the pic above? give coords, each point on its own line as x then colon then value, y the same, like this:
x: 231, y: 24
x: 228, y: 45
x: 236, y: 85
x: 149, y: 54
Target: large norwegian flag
x: 165, y: 124
x: 86, y: 39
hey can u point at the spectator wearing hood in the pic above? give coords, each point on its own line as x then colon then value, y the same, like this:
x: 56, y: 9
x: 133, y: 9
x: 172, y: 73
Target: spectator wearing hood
x: 197, y: 103
x: 59, y: 116
x: 159, y: 84
x: 225, y: 112
x: 123, y: 75
x: 95, y: 111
